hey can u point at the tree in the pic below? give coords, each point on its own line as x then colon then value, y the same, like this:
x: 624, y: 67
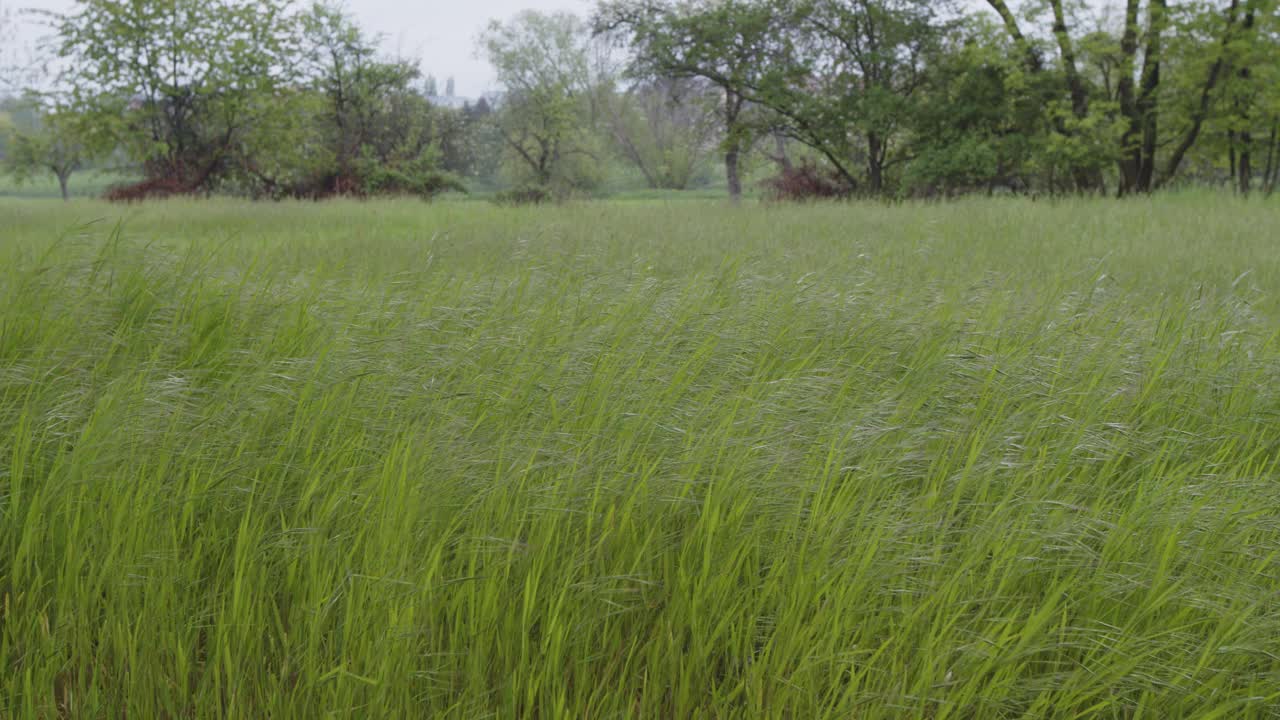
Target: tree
x: 342, y: 63
x: 665, y: 127
x: 1076, y: 142
x: 849, y: 78
x: 1173, y: 63
x: 180, y: 81
x: 469, y: 141
x: 372, y: 131
x: 545, y: 64
x: 62, y: 143
x: 1140, y: 106
x: 1251, y: 94
x: 726, y: 42
x: 976, y: 121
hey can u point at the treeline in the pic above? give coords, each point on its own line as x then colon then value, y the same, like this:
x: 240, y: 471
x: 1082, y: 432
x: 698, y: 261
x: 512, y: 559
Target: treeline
x: 241, y: 96
x: 920, y: 97
x: 821, y: 98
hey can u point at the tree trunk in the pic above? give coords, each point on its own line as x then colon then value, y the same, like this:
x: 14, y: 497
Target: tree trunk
x: 1201, y: 110
x: 1030, y: 56
x: 1148, y: 101
x: 783, y: 159
x: 1246, y: 163
x: 1231, y: 156
x: 1079, y: 98
x: 1269, y: 172
x: 875, y: 164
x: 1138, y: 144
x: 1246, y: 137
x: 1130, y: 149
x: 731, y: 171
x: 62, y: 185
x: 1086, y: 179
x: 733, y: 144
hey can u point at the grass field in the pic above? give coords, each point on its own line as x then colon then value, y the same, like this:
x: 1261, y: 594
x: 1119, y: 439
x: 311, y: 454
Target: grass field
x: 85, y: 184
x: 648, y: 460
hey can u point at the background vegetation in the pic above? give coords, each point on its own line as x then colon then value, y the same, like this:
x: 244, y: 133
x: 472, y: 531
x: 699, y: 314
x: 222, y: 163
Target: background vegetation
x: 792, y: 98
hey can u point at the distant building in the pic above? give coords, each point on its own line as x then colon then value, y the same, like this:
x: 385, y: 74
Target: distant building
x: 457, y: 102
x: 453, y: 102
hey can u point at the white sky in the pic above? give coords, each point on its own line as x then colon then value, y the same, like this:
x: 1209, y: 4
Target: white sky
x: 441, y: 33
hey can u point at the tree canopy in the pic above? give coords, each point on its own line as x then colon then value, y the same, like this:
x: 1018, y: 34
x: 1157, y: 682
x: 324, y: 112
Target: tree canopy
x: 875, y: 98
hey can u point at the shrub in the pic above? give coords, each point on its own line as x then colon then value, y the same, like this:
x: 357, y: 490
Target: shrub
x: 524, y: 195
x: 423, y: 183
x: 153, y: 187
x: 806, y: 181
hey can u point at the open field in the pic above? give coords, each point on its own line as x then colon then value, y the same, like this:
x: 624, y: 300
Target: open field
x: 975, y: 460
x: 87, y: 184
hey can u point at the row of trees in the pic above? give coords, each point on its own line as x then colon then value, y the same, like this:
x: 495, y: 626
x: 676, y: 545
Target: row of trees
x: 242, y: 96
x: 901, y: 97
x: 839, y: 97
x: 919, y: 96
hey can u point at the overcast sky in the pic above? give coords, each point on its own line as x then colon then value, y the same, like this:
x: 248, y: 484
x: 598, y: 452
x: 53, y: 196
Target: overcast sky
x: 441, y: 33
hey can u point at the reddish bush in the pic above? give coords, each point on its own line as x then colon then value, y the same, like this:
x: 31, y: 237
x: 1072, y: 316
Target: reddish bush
x: 155, y: 187
x: 806, y: 181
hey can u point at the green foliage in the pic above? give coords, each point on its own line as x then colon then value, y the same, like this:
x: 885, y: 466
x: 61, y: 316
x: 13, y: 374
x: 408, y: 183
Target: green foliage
x: 864, y: 83
x: 524, y: 195
x: 59, y: 143
x: 850, y: 80
x: 665, y: 128
x: 290, y: 150
x: 177, y: 82
x: 544, y: 62
x: 728, y: 44
x: 975, y: 122
x: 418, y: 176
x: 249, y: 97
x: 470, y: 141
x: 1071, y: 144
x: 895, y: 97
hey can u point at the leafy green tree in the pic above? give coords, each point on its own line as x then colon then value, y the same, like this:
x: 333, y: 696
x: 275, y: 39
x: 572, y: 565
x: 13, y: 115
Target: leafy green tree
x: 1175, y: 71
x: 544, y: 62
x: 1076, y: 125
x: 1251, y: 95
x: 62, y: 143
x: 469, y: 141
x: 179, y: 81
x: 360, y: 90
x: 976, y: 119
x: 288, y: 151
x: 729, y: 43
x: 847, y: 81
x: 665, y: 128
x: 1139, y: 103
x: 350, y: 122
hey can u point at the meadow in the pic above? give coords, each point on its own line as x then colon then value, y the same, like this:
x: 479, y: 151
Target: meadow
x: 83, y: 185
x: 985, y: 459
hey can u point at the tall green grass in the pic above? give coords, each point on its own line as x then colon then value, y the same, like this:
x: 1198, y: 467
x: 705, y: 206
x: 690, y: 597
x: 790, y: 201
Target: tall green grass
x: 977, y: 460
